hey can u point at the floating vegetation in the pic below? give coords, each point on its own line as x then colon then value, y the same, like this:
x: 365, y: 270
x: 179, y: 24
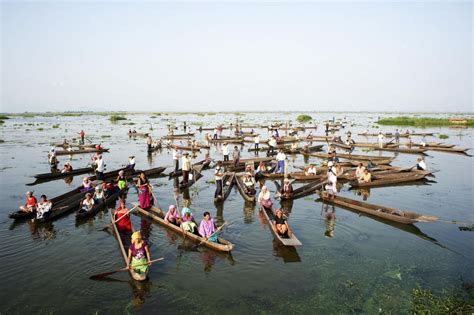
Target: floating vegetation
x: 40, y: 129
x: 425, y: 302
x: 105, y: 136
x: 443, y: 136
x: 56, y: 126
x: 394, y: 274
x: 129, y: 124
x: 239, y: 114
x: 2, y: 141
x: 303, y: 118
x: 116, y: 117
x: 153, y: 116
x: 425, y: 121
x: 2, y: 122
x: 70, y: 114
x: 3, y: 117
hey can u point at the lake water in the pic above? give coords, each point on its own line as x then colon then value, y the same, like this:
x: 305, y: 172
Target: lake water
x: 367, y: 266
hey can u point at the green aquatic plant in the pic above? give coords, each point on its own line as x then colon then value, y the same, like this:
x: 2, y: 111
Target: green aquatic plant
x: 116, y: 117
x: 40, y: 129
x: 70, y: 114
x: 2, y: 141
x: 3, y: 117
x: 422, y: 121
x: 153, y: 116
x: 425, y: 302
x: 105, y: 136
x: 56, y: 126
x: 303, y: 118
x: 394, y: 274
x: 2, y: 122
x: 443, y: 136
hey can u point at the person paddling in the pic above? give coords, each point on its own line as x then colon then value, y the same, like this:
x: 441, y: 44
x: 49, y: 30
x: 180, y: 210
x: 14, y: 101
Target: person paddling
x: 139, y: 257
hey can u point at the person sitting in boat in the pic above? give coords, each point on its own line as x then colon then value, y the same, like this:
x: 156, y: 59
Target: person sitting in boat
x: 149, y: 142
x: 99, y: 194
x: 272, y: 143
x: 88, y: 203
x: 122, y: 218
x: 421, y: 165
x: 67, y: 168
x: 43, y: 208
x: 249, y: 184
x: 207, y: 228
x: 370, y: 165
x: 339, y: 169
x: 30, y: 203
x: 311, y: 170
x: 280, y: 225
x: 188, y: 223
x: 86, y: 184
x: 172, y: 216
x: 366, y: 177
x: 423, y: 142
x: 287, y: 189
x: 333, y: 158
x: 264, y: 198
x: 359, y: 172
x: 139, y: 257
x: 121, y: 180
x: 131, y: 162
x: 65, y: 143
x: 144, y: 191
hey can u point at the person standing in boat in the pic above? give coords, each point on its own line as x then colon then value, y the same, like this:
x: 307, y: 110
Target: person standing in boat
x: 256, y: 141
x: 139, y: 257
x: 43, y: 208
x: 225, y: 151
x: 30, y: 203
x: 236, y: 156
x: 82, y: 134
x: 186, y: 162
x: 176, y: 157
x: 52, y: 159
x: 218, y: 175
x: 144, y: 194
x: 421, y: 165
x: 287, y: 189
x: 272, y: 143
x: 131, y: 162
x: 100, y: 168
x: 281, y: 157
x: 149, y: 142
x: 331, y: 186
x: 381, y: 138
x: 122, y: 218
x: 397, y: 136
x: 207, y: 228
x: 214, y: 135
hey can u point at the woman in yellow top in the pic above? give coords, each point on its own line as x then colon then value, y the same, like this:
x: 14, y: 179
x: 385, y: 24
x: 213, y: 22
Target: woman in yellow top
x: 366, y: 177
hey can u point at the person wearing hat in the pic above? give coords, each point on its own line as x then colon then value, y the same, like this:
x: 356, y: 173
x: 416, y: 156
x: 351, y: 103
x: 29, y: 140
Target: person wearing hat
x: 100, y: 168
x: 30, y: 203
x: 218, y: 175
x: 121, y: 180
x: 87, y: 203
x: 225, y: 151
x: 287, y: 189
x: 139, y: 257
x: 186, y: 162
x: 249, y: 183
x: 131, y: 162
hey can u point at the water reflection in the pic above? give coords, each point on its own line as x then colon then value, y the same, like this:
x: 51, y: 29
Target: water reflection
x: 43, y: 232
x: 219, y: 217
x: 329, y: 220
x: 249, y: 211
x: 140, y: 291
x: 289, y: 254
x: 364, y: 192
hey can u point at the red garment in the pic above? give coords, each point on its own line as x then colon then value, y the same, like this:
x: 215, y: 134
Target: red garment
x: 31, y: 201
x: 124, y: 224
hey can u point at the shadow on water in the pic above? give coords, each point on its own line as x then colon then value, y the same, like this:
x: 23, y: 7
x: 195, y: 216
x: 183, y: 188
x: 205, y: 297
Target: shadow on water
x: 289, y: 254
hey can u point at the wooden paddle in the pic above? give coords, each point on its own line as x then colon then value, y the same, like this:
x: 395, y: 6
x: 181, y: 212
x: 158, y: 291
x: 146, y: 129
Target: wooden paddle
x: 217, y: 230
x: 105, y: 274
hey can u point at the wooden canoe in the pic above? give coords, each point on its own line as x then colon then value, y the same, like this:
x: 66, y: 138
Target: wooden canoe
x: 403, y: 150
x: 373, y: 145
x: 353, y: 156
x: 205, y: 165
x: 241, y: 188
x: 432, y: 145
x: 291, y: 241
x: 124, y: 240
x: 138, y: 134
x: 390, y: 180
x: 226, y: 189
x: 390, y: 214
x: 157, y: 215
x: 81, y: 214
x: 185, y: 147
x: 83, y: 151
x: 196, y: 171
x: 58, y: 174
x: 302, y: 191
x: 452, y: 150
x: 179, y: 135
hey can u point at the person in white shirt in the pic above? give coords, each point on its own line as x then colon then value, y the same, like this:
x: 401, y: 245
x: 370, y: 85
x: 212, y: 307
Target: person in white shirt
x: 311, y: 170
x: 225, y: 151
x: 281, y: 157
x: 175, y: 159
x: 43, y: 208
x: 100, y: 168
x: 256, y: 140
x: 359, y: 171
x: 272, y: 143
x: 186, y: 168
x: 331, y: 186
x: 131, y: 162
x: 381, y: 138
x: 421, y: 165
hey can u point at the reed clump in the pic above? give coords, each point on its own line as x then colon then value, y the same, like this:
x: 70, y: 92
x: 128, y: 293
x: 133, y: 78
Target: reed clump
x: 423, y: 121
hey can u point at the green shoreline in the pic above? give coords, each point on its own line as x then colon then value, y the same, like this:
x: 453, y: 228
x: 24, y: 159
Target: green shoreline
x: 424, y: 121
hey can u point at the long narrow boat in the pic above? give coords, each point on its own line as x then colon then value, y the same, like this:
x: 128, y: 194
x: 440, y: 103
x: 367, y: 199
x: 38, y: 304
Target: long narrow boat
x: 185, y: 147
x: 391, y: 214
x: 156, y: 214
x: 124, y: 239
x: 82, y: 151
x: 404, y: 150
x: 290, y: 241
x: 227, y: 182
x: 241, y: 188
x: 59, y: 174
x: 81, y: 214
x: 235, y: 141
x: 389, y: 180
x: 205, y: 165
x: 302, y: 191
x: 373, y: 145
x: 196, y: 171
x: 432, y: 145
x: 451, y: 150
x: 353, y: 156
x: 138, y: 134
x: 75, y: 145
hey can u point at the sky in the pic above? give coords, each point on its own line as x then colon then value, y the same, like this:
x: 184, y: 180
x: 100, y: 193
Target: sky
x: 237, y: 56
